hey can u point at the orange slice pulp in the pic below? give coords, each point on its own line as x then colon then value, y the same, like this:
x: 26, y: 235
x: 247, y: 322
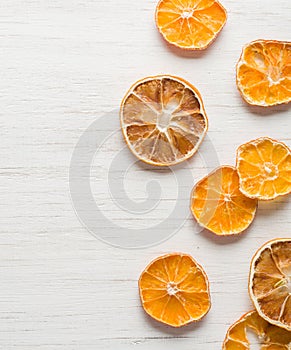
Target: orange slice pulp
x: 270, y: 282
x: 218, y: 205
x: 174, y: 290
x: 190, y: 24
x: 163, y: 120
x: 264, y: 73
x: 253, y: 332
x: 264, y: 168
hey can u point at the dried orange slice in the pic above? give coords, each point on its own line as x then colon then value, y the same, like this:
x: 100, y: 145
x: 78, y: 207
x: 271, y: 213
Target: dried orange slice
x: 190, y: 24
x: 174, y: 290
x: 264, y: 168
x: 270, y: 282
x: 264, y: 73
x: 163, y: 120
x: 218, y: 205
x: 253, y: 332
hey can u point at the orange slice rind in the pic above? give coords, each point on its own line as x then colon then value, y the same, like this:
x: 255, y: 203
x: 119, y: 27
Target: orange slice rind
x: 252, y: 326
x: 163, y: 120
x: 174, y: 290
x: 264, y: 73
x: 218, y: 205
x: 264, y: 168
x: 191, y: 25
x: 270, y: 282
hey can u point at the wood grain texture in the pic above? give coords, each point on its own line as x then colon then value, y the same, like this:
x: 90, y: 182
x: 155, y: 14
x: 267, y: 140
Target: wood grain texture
x: 63, y: 64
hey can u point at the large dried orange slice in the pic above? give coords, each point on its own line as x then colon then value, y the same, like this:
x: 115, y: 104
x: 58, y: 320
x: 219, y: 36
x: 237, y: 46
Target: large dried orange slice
x: 264, y: 168
x: 270, y: 282
x: 163, y: 120
x: 174, y: 290
x: 218, y: 205
x: 190, y: 24
x: 264, y: 73
x: 253, y: 332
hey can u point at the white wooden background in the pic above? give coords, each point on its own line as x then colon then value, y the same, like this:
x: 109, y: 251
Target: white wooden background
x: 63, y: 64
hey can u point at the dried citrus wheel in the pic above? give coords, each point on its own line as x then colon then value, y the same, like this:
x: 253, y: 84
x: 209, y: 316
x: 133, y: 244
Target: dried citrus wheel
x: 264, y: 168
x: 270, y: 282
x: 163, y: 120
x: 253, y: 332
x: 264, y: 73
x: 190, y: 24
x: 174, y: 290
x: 218, y: 205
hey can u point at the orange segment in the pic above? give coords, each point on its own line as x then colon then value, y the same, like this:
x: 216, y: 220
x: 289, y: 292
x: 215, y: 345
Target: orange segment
x: 218, y: 205
x: 264, y: 73
x: 264, y: 168
x: 174, y: 290
x: 190, y: 24
x: 270, y: 282
x: 251, y: 326
x: 163, y: 120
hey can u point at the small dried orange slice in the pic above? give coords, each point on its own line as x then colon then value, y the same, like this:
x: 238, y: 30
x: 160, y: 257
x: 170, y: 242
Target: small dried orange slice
x: 270, y: 282
x: 218, y: 205
x: 253, y: 332
x: 163, y: 120
x: 190, y: 24
x: 264, y: 73
x: 174, y: 290
x: 264, y: 168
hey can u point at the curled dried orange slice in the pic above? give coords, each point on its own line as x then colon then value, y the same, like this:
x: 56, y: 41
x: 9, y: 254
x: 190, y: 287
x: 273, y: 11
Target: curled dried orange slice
x: 163, y: 120
x: 218, y: 205
x: 270, y: 282
x: 264, y: 73
x: 253, y: 332
x: 264, y: 168
x: 190, y: 24
x: 174, y: 290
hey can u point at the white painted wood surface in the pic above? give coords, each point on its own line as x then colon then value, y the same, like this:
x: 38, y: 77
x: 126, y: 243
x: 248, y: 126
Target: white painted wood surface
x: 63, y: 64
